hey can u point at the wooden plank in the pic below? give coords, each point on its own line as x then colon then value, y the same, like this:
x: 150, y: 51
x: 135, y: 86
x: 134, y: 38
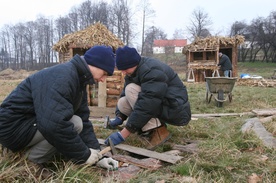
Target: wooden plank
x: 255, y: 125
x: 147, y: 153
x: 221, y: 114
x: 148, y: 163
x: 102, y: 94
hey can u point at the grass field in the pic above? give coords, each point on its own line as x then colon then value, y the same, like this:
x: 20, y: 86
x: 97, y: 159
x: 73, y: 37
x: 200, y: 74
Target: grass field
x: 225, y: 154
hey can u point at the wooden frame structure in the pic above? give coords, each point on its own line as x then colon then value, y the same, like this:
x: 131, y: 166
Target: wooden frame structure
x: 202, y: 56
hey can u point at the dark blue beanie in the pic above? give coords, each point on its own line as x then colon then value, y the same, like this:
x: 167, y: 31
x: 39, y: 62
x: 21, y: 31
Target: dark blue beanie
x: 126, y: 58
x: 101, y: 57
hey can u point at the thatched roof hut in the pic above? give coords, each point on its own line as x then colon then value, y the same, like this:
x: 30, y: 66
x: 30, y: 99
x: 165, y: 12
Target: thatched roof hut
x: 80, y: 41
x: 202, y: 55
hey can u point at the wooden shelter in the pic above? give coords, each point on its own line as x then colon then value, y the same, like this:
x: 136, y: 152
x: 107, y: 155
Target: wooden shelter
x: 101, y: 94
x: 202, y: 56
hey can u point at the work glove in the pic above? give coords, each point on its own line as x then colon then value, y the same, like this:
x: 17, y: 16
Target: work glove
x: 108, y: 163
x: 114, y: 123
x: 94, y: 157
x: 116, y: 138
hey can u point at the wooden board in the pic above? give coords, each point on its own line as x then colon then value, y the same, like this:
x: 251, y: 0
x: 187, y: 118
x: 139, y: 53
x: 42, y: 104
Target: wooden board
x: 148, y: 163
x: 148, y: 153
x: 221, y: 114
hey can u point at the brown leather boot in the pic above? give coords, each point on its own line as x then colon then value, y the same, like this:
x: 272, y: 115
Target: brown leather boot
x: 159, y: 136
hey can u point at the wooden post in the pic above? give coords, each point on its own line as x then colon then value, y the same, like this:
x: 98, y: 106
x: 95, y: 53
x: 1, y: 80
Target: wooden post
x: 102, y: 94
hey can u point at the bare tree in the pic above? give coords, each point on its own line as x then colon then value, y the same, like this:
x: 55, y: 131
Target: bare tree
x: 152, y: 34
x: 270, y: 30
x: 121, y: 20
x: 147, y: 13
x: 6, y: 47
x: 238, y: 27
x: 199, y: 24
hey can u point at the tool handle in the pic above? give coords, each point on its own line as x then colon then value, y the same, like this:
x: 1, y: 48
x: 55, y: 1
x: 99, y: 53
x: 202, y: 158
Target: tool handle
x: 105, y: 150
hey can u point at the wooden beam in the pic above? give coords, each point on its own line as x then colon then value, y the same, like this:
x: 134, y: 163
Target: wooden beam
x: 147, y: 153
x: 102, y: 94
x: 222, y: 114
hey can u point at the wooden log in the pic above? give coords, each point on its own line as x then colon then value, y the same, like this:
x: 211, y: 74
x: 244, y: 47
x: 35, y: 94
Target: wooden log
x: 147, y: 153
x: 112, y: 91
x: 113, y: 78
x: 115, y: 85
x: 255, y: 125
x: 111, y: 103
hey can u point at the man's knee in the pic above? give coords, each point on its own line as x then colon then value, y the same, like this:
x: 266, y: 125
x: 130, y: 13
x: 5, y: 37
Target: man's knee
x: 132, y: 88
x: 77, y: 121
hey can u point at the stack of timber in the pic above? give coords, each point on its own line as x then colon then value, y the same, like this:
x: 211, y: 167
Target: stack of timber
x: 106, y: 94
x: 256, y: 82
x: 114, y: 87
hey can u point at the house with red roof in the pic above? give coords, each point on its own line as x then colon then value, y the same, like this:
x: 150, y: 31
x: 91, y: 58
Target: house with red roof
x: 169, y: 46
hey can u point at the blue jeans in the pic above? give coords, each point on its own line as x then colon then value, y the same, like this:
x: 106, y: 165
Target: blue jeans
x: 226, y: 73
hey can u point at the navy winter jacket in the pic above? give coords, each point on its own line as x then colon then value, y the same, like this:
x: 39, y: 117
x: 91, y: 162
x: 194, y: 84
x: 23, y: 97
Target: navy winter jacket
x: 45, y: 101
x: 163, y: 95
x: 225, y: 63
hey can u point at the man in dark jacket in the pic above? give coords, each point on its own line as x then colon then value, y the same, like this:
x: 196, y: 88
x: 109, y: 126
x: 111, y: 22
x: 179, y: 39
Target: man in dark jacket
x: 48, y: 111
x: 225, y: 64
x: 153, y: 96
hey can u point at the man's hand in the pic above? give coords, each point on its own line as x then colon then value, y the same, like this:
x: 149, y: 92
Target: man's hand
x: 108, y: 163
x: 94, y: 157
x: 116, y: 138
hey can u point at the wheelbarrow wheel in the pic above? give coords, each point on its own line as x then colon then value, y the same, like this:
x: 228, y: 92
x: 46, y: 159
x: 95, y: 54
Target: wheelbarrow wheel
x: 220, y: 98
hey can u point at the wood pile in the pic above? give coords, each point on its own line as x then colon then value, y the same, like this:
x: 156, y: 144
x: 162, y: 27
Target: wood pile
x: 256, y: 125
x: 256, y: 82
x: 96, y: 34
x: 113, y: 86
x: 203, y: 65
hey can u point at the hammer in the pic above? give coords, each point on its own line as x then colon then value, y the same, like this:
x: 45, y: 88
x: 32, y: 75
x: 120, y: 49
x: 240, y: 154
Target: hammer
x: 106, y: 121
x: 111, y: 148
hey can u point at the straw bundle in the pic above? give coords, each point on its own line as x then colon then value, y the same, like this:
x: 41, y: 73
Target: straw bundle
x: 96, y: 34
x: 212, y: 43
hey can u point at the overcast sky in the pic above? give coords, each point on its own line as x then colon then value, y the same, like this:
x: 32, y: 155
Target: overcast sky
x: 170, y: 14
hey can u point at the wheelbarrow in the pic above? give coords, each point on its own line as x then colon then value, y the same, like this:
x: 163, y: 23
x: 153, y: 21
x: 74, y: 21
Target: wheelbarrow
x: 219, y: 87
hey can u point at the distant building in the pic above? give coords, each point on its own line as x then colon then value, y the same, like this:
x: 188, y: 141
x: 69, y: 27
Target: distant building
x: 169, y: 46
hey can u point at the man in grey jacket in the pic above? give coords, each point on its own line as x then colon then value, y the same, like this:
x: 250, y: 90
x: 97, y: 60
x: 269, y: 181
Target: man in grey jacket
x: 153, y: 96
x: 48, y: 111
